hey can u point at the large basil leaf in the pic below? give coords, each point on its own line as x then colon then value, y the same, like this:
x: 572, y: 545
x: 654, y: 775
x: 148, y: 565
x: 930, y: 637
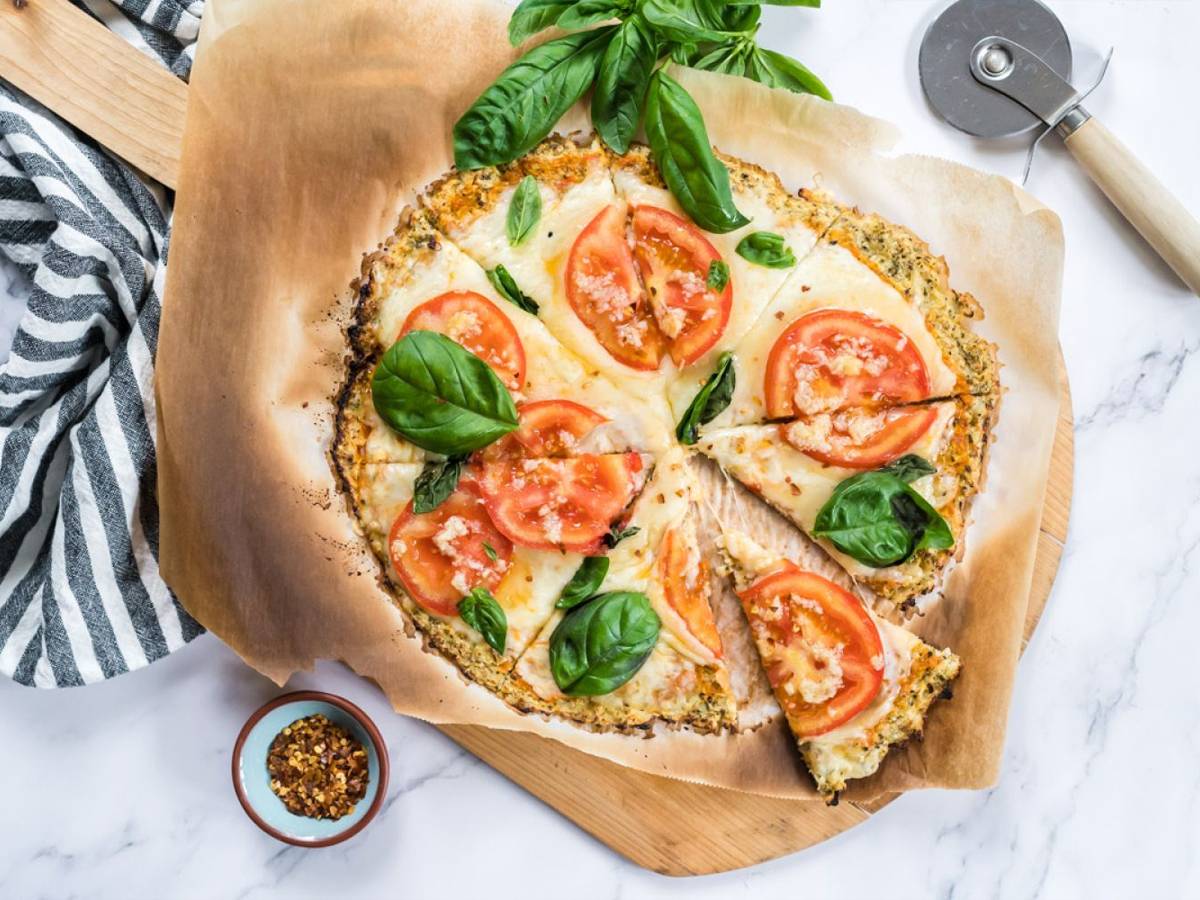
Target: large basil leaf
x: 765, y: 248
x: 441, y: 397
x: 584, y: 583
x: 480, y: 610
x: 599, y: 646
x: 779, y: 71
x: 685, y: 156
x: 621, y: 87
x: 879, y: 520
x: 909, y: 468
x: 710, y: 401
x: 436, y: 482
x: 532, y: 16
x: 506, y: 286
x: 524, y: 210
x: 687, y: 21
x: 592, y: 12
x: 528, y: 98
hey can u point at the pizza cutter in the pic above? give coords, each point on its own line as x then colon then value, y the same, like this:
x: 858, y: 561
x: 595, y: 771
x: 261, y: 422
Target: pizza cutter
x: 995, y: 68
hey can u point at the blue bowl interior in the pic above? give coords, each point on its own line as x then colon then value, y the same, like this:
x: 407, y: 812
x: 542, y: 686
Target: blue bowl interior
x: 256, y: 782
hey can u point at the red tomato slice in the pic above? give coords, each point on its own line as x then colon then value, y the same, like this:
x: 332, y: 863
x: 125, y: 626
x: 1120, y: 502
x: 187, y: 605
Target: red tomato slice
x: 603, y: 289
x: 476, y: 323
x: 860, y: 438
x: 799, y: 621
x: 692, y: 603
x: 674, y: 256
x: 440, y: 555
x: 567, y: 504
x: 548, y: 428
x: 832, y: 358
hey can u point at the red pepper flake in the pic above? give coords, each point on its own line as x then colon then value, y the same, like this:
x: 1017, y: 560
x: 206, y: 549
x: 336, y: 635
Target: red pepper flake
x: 317, y: 768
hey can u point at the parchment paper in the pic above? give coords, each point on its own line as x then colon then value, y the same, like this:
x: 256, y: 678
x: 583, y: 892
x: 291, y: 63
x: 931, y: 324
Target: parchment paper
x: 311, y: 124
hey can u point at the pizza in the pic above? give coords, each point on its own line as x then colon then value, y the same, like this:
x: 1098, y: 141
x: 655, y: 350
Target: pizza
x: 544, y: 356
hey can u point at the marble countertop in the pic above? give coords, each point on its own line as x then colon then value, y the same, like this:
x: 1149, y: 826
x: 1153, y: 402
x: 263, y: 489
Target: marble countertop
x: 122, y: 790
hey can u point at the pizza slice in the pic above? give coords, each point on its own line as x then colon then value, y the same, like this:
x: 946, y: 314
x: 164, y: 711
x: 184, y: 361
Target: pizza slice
x: 656, y: 558
x: 798, y: 466
x: 703, y: 292
x: 851, y: 686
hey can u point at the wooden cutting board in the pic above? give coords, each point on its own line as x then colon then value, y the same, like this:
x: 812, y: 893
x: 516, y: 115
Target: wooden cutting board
x: 130, y: 104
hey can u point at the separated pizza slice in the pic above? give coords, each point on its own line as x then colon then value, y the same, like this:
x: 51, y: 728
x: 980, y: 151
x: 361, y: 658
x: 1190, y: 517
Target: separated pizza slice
x: 836, y: 335
x: 895, y: 535
x: 705, y: 293
x: 851, y: 685
x: 574, y: 262
x: 421, y: 281
x: 654, y: 576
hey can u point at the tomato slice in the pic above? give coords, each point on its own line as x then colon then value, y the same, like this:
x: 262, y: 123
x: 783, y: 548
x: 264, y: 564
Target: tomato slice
x: 686, y: 588
x: 860, y: 438
x: 440, y: 555
x: 548, y: 428
x: 603, y: 290
x: 831, y: 359
x: 567, y: 504
x: 674, y: 256
x: 822, y: 652
x: 475, y: 322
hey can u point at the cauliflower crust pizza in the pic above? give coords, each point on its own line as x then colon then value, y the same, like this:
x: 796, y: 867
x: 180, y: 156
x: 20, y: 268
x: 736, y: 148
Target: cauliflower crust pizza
x: 540, y: 357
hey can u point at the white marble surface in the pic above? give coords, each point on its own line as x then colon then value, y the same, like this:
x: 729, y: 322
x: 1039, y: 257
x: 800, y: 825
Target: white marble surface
x: 122, y: 790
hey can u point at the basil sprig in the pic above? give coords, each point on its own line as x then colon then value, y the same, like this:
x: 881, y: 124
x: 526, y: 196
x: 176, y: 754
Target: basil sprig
x: 506, y: 286
x: 765, y: 248
x: 436, y: 482
x: 710, y: 401
x: 529, y: 97
x: 718, y: 275
x: 524, y: 210
x: 441, y: 397
x: 584, y: 583
x: 480, y: 610
x: 600, y: 645
x: 617, y: 534
x: 879, y: 519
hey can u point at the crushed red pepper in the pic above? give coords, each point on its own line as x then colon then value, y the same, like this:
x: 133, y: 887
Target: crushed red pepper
x: 317, y: 768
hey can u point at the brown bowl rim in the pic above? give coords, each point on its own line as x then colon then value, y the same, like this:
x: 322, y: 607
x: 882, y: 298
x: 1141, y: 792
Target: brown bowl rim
x: 358, y: 715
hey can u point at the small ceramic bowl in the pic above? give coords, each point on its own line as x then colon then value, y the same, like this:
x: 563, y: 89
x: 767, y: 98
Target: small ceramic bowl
x: 253, y: 784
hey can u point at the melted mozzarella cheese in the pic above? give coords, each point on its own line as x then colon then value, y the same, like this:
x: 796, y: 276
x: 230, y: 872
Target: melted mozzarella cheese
x: 828, y: 278
x: 798, y: 485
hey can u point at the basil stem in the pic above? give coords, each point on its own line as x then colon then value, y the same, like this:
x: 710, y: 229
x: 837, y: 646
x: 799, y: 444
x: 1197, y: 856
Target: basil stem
x: 584, y: 583
x: 506, y: 286
x: 480, y: 610
x: 441, y: 397
x: 600, y: 645
x: 765, y: 248
x: 621, y: 86
x: 685, y: 157
x: 436, y: 482
x: 529, y: 97
x: 524, y: 210
x: 710, y: 401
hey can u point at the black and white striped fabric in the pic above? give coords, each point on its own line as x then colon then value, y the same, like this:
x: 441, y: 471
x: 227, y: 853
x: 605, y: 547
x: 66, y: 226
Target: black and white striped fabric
x: 81, y: 599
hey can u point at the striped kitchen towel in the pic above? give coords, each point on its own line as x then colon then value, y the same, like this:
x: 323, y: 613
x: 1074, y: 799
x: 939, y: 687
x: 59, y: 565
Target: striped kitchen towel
x: 81, y: 599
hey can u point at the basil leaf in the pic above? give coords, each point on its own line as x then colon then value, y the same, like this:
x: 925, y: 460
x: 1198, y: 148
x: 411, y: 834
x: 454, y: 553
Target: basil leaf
x: 765, y: 248
x: 585, y: 13
x: 506, y: 287
x: 441, y: 397
x: 617, y: 534
x: 779, y: 71
x: 436, y: 482
x: 710, y: 401
x: 687, y: 21
x: 812, y: 3
x: 480, y: 610
x: 621, y: 87
x: 718, y: 275
x: 685, y: 157
x: 524, y: 210
x: 532, y: 16
x: 729, y: 59
x: 909, y: 468
x: 584, y: 583
x: 880, y: 521
x: 599, y: 646
x: 490, y: 551
x: 530, y: 96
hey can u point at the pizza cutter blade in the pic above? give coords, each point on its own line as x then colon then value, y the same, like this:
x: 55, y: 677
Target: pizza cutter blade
x: 994, y: 68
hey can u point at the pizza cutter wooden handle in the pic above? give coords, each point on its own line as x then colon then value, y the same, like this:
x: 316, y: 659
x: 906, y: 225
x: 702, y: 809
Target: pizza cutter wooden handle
x: 1153, y: 210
